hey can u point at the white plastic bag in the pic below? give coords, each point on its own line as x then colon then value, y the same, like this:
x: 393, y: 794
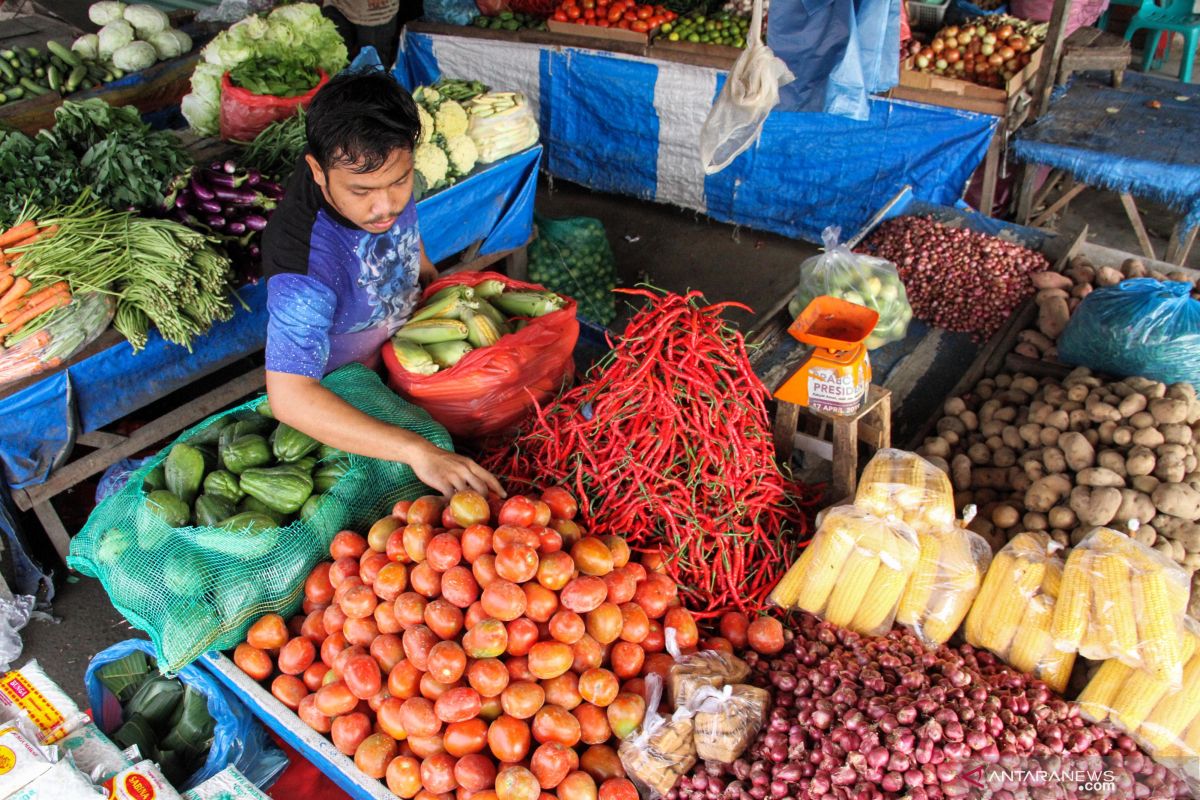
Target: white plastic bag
x: 751, y: 90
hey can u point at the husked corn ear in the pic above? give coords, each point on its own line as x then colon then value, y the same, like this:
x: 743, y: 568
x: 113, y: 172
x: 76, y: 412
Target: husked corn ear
x: 875, y: 611
x: 489, y: 288
x: 1174, y: 712
x: 413, y: 357
x: 1102, y: 691
x: 445, y: 304
x: 920, y: 586
x: 858, y: 570
x: 1055, y: 670
x: 1141, y: 692
x: 993, y: 582
x: 447, y: 354
x: 527, y: 304
x: 1112, y: 600
x: 1191, y: 739
x: 958, y: 581
x: 1070, y: 622
x: 819, y: 566
x: 900, y: 483
x: 1000, y: 625
x: 480, y: 330
x: 431, y: 331
x: 1032, y: 640
x: 1157, y: 625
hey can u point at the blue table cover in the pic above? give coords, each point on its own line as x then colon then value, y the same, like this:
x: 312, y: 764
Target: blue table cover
x: 1115, y: 139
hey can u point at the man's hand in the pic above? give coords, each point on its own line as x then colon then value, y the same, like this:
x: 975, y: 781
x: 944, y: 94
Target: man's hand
x: 449, y: 473
x: 428, y: 274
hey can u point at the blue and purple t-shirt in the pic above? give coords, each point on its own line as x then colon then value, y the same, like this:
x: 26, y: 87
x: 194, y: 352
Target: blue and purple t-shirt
x: 335, y: 292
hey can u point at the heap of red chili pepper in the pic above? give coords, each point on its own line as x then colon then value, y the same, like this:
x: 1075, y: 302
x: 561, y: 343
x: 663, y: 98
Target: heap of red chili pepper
x: 668, y: 444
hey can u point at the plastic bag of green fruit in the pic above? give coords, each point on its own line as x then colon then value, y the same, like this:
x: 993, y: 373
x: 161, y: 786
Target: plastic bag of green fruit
x: 572, y: 256
x: 855, y: 278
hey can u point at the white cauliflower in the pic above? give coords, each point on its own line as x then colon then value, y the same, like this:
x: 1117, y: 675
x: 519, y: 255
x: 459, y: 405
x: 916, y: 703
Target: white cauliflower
x: 451, y: 119
x: 146, y: 20
x: 462, y: 154
x: 426, y: 134
x: 431, y: 164
x: 113, y: 36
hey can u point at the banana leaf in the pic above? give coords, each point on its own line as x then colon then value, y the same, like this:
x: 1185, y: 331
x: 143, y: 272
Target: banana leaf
x: 137, y: 730
x: 125, y: 676
x: 156, y: 700
x: 192, y: 726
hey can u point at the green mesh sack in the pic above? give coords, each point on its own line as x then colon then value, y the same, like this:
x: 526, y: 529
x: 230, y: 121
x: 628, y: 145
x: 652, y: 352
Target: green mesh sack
x: 571, y: 256
x: 195, y: 589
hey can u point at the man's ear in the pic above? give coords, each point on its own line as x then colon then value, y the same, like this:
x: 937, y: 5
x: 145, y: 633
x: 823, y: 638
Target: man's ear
x: 317, y: 173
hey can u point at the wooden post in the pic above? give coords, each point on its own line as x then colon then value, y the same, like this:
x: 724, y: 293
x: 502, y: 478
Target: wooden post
x: 1053, y: 48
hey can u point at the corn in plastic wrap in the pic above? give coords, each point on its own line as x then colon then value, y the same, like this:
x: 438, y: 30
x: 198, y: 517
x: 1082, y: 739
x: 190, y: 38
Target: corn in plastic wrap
x: 944, y: 583
x: 1012, y: 612
x: 1123, y: 600
x: 897, y: 484
x: 853, y: 572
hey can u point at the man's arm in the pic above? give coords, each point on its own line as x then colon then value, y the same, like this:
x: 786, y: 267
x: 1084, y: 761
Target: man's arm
x: 310, y: 408
x: 429, y: 272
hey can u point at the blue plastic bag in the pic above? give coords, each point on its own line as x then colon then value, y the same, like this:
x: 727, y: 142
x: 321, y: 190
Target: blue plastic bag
x: 1138, y: 327
x: 238, y: 738
x: 451, y: 12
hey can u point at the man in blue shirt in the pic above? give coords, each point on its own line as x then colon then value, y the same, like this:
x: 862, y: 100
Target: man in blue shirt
x: 344, y: 264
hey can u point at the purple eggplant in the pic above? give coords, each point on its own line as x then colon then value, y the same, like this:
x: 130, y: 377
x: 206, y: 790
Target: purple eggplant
x: 183, y: 200
x: 202, y: 191
x: 235, y: 228
x: 253, y: 177
x: 255, y: 251
x: 230, y: 167
x: 215, y: 221
x: 241, y: 197
x: 271, y: 190
x: 210, y: 206
x: 255, y: 222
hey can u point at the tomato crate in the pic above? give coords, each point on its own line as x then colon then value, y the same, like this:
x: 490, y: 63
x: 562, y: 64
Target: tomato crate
x: 283, y: 721
x: 592, y: 32
x: 939, y: 90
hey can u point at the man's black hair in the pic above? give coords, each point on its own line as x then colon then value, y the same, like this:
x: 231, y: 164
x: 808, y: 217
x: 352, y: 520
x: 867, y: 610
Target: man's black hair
x: 359, y: 119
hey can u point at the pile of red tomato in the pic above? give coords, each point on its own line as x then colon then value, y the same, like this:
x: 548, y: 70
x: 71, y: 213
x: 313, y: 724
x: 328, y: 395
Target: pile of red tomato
x: 624, y: 14
x: 456, y: 659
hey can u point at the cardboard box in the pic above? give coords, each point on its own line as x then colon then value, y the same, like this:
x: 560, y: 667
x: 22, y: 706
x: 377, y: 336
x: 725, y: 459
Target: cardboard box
x: 592, y: 32
x: 940, y: 90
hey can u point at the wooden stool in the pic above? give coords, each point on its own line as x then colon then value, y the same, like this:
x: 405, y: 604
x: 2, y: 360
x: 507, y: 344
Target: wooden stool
x: 1093, y: 49
x: 872, y: 425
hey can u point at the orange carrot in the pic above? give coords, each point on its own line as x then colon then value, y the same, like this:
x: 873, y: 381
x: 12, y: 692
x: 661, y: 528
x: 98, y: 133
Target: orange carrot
x: 6, y: 282
x: 39, y: 233
x: 54, y: 301
x: 62, y: 287
x: 18, y: 233
x: 20, y: 286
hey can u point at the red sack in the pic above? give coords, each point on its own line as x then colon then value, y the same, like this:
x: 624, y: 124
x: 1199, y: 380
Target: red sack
x: 492, y: 389
x: 245, y: 114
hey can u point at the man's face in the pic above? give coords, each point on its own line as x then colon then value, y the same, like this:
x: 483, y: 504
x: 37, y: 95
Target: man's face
x: 371, y: 200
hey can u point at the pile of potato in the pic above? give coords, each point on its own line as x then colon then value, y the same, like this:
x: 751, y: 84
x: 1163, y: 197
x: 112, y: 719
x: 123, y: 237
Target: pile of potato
x: 1060, y: 293
x: 1066, y: 456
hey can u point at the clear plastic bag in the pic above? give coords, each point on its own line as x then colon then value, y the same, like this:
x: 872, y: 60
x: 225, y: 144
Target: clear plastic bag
x: 702, y: 669
x: 501, y: 133
x: 451, y: 12
x: 944, y: 583
x: 62, y: 334
x: 28, y: 693
x: 1012, y: 612
x: 1137, y: 327
x: 856, y: 278
x: 663, y: 749
x: 897, y: 484
x: 853, y: 572
x: 751, y: 90
x: 1123, y: 600
x: 728, y: 719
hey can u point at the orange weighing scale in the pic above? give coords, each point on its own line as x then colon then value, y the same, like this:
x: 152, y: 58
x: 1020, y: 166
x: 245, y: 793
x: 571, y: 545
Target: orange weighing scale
x: 837, y: 374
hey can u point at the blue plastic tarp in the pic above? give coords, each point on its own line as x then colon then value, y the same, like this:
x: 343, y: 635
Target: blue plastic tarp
x: 1114, y: 139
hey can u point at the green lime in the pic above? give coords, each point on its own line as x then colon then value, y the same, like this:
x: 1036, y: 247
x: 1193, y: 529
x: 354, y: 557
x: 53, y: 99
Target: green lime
x: 674, y: 37
x: 506, y: 15
x: 666, y: 27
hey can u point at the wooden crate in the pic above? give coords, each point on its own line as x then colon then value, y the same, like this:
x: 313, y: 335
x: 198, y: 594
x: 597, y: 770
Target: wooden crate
x: 939, y: 90
x: 592, y: 32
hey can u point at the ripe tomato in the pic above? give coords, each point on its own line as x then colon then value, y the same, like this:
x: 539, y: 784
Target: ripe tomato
x: 347, y: 544
x: 515, y: 782
x: 415, y: 537
x: 458, y: 705
x: 550, y: 659
x: 361, y: 631
x: 409, y: 610
x: 601, y: 762
x: 604, y: 623
x: 508, y: 738
x: 765, y: 635
x: 289, y: 690
x: 637, y: 570
x: 599, y: 687
x: 555, y: 570
x: 522, y: 635
x: 475, y: 614
x: 488, y: 639
x: 577, y: 786
x: 389, y: 720
x: 635, y: 625
x: 391, y: 581
x: 503, y: 600
x: 443, y: 552
x: 475, y: 772
x: 310, y: 716
x: 469, y: 508
x: 418, y: 641
x: 583, y: 594
x: 563, y: 691
x: 349, y: 731
x: 418, y: 717
x: 425, y: 580
x: 658, y: 664
x: 718, y: 643
x: 252, y: 661
x: 444, y: 619
x: 314, y: 676
x: 560, y: 16
x: 555, y: 724
x: 517, y: 563
x: 297, y: 656
x: 343, y: 568
x: 592, y: 556
x: 519, y: 510
x: 317, y: 588
x: 269, y: 632
x: 656, y: 640
x: 522, y: 699
x: 375, y: 753
x: 518, y: 669
x: 476, y: 540
x: 587, y: 653
x: 437, y: 773
x: 432, y: 689
x: 484, y: 570
x: 540, y: 602
x: 466, y: 737
x: 359, y: 602
x: 569, y: 530
x: 404, y: 777
x: 625, y: 714
x: 370, y: 566
x: 426, y: 510
x: 334, y: 643
x: 627, y: 659
x: 385, y: 619
x: 593, y: 724
x: 488, y: 676
x: 459, y: 587
x: 561, y: 502
x: 550, y: 764
x: 655, y: 594
x: 618, y: 789
x: 680, y: 620
x: 550, y: 540
x: 621, y: 586
x: 362, y: 677
x: 567, y: 626
x: 446, y: 662
x: 425, y: 746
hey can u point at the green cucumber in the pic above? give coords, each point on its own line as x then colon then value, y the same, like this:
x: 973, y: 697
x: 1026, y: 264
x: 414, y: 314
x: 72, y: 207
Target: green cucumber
x: 76, y: 78
x: 64, y: 53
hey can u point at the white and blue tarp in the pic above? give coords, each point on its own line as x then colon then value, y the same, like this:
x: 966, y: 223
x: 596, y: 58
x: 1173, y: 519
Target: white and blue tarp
x: 631, y: 125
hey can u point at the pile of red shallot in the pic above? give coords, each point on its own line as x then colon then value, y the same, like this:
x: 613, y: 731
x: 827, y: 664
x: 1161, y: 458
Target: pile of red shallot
x: 956, y: 278
x: 862, y: 718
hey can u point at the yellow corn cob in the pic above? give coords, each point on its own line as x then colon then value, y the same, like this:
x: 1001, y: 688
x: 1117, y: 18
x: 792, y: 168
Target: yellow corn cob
x: 874, y: 614
x: 1000, y: 626
x: 858, y: 570
x: 413, y: 357
x: 1158, y: 628
x: 902, y: 484
x: 1052, y: 580
x: 1174, y: 712
x: 1142, y: 692
x: 920, y: 586
x: 431, y: 331
x: 1191, y: 739
x: 819, y: 566
x: 1032, y: 640
x: 1112, y: 602
x: 445, y: 304
x: 1102, y: 691
x: 480, y: 330
x: 958, y: 583
x: 1055, y: 669
x: 993, y: 583
x: 1070, y: 621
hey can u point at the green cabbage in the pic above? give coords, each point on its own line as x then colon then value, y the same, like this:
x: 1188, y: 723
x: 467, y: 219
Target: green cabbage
x: 106, y: 11
x: 134, y: 56
x: 146, y: 20
x: 114, y: 36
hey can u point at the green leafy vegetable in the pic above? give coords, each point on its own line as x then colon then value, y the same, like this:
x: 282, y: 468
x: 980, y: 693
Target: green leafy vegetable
x: 275, y: 77
x: 276, y: 150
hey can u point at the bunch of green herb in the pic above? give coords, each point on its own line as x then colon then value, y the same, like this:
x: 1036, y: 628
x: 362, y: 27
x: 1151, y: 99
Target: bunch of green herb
x: 275, y: 77
x: 276, y: 150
